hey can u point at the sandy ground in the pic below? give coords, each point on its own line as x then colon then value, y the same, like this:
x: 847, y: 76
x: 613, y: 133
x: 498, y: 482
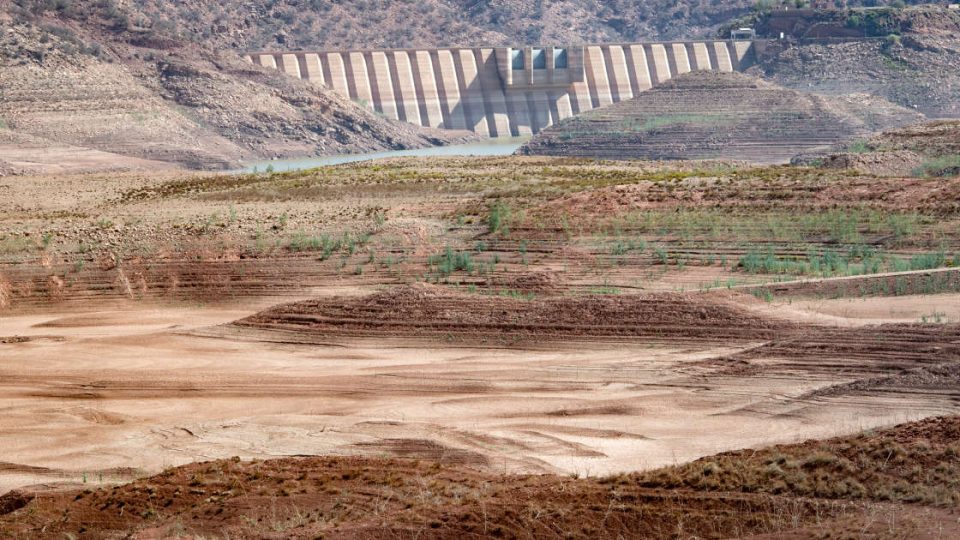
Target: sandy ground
x: 902, y: 309
x: 858, y: 312
x: 103, y: 396
x: 37, y: 156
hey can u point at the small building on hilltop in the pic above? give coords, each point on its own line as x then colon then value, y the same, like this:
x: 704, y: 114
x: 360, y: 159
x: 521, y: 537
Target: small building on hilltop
x: 828, y: 4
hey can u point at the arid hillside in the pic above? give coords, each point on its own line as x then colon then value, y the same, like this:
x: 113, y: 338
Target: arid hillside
x: 401, y: 23
x: 718, y: 115
x: 94, y: 82
x: 912, y: 58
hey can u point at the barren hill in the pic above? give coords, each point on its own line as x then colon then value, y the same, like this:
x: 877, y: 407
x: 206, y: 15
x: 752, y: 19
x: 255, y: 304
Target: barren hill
x: 920, y: 72
x: 89, y: 81
x: 718, y: 115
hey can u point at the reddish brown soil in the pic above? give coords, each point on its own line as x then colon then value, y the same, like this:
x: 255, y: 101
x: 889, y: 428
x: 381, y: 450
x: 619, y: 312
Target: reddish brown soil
x: 945, y: 377
x: 890, y: 359
x: 369, y: 498
x: 782, y: 189
x: 889, y: 345
x: 916, y: 462
x: 530, y: 282
x: 904, y: 358
x: 908, y: 283
x: 423, y: 310
x: 218, y: 278
x: 376, y: 498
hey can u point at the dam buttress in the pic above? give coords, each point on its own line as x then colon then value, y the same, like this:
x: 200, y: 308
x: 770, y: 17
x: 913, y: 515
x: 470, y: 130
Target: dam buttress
x: 502, y: 91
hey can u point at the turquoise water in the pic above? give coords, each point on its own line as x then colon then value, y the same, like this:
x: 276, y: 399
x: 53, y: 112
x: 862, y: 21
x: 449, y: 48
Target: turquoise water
x: 491, y: 147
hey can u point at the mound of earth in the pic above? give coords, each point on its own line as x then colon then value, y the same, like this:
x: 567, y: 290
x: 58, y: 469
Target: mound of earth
x: 928, y: 149
x: 423, y: 310
x: 929, y: 139
x: 914, y: 462
x: 943, y: 377
x: 806, y: 490
x: 718, y: 115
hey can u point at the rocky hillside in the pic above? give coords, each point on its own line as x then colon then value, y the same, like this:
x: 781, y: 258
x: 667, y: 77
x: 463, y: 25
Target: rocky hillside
x: 93, y: 79
x: 257, y: 24
x: 718, y: 115
x: 922, y: 73
x: 851, y: 23
x: 915, y: 64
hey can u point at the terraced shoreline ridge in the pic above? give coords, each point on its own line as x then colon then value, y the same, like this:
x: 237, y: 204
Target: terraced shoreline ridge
x: 511, y: 226
x: 927, y: 150
x: 702, y: 115
x: 426, y: 311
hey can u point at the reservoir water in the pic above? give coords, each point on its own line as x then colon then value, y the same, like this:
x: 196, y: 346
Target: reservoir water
x: 491, y: 147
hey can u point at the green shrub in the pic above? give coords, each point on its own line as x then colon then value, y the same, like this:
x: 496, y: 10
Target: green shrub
x: 858, y: 260
x: 451, y: 261
x: 940, y: 166
x: 859, y: 147
x: 497, y: 220
x: 661, y: 255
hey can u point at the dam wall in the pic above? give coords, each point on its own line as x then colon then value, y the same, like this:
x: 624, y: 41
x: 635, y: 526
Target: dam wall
x: 502, y: 91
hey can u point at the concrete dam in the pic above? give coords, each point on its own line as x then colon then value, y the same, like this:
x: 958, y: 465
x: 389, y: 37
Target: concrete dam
x: 503, y: 91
